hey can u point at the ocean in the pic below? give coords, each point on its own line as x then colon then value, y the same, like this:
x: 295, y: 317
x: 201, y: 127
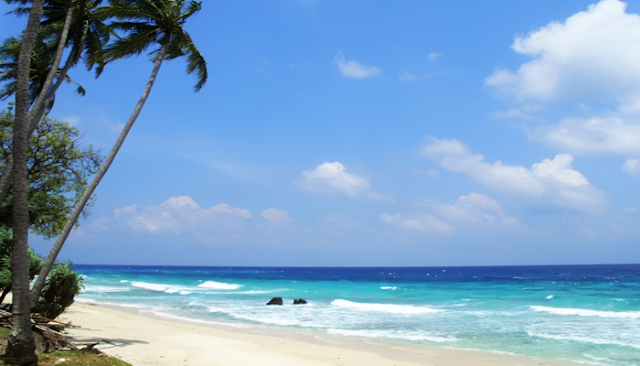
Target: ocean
x: 588, y: 314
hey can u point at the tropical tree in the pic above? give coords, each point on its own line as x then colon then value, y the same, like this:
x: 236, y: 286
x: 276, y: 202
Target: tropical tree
x: 58, y: 171
x: 60, y: 289
x: 35, y: 262
x: 145, y: 23
x: 41, y: 60
x: 79, y: 23
x: 20, y: 346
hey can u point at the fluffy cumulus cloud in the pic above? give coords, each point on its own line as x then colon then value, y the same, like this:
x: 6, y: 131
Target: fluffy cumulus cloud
x: 631, y: 166
x: 355, y: 70
x: 590, y: 57
x: 618, y: 135
x: 472, y: 210
x: 179, y: 214
x: 553, y: 178
x: 334, y: 178
x: 593, y: 54
x: 276, y: 217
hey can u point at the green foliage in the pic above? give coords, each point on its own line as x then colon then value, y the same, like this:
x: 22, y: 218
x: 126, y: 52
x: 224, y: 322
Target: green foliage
x: 58, y: 171
x: 35, y: 261
x: 149, y: 22
x: 60, y: 289
x: 62, y: 285
x: 41, y: 61
x: 78, y: 358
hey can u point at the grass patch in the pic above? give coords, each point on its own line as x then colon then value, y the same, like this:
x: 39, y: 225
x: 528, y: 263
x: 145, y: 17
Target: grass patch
x: 78, y: 358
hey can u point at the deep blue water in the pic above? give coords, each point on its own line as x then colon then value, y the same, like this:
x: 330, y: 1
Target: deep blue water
x: 589, y: 314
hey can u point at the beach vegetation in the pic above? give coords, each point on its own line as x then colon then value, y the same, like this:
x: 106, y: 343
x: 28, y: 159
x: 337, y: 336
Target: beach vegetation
x: 20, y: 345
x: 79, y: 358
x: 59, y: 167
x: 139, y: 24
x: 61, y: 287
x: 41, y: 60
x: 35, y: 262
x: 143, y: 24
x: 73, y: 358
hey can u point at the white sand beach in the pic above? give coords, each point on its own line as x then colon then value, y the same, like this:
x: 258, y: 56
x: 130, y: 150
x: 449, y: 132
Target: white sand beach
x: 142, y: 340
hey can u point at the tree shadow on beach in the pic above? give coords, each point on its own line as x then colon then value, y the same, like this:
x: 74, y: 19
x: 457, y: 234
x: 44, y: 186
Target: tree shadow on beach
x: 104, y: 342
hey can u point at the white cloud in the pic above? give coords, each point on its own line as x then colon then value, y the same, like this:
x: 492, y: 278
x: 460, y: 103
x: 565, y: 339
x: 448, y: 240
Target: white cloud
x: 553, y: 178
x: 593, y: 135
x: 474, y: 209
x: 423, y: 223
x: 181, y: 213
x: 632, y: 166
x: 354, y: 69
x: 276, y: 217
x: 559, y: 170
x: 593, y: 54
x: 333, y: 178
x: 456, y: 156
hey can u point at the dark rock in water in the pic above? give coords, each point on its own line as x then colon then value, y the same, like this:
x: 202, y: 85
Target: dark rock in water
x: 275, y: 301
x: 299, y: 302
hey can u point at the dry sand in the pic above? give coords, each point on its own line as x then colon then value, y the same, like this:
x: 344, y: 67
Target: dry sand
x: 142, y: 340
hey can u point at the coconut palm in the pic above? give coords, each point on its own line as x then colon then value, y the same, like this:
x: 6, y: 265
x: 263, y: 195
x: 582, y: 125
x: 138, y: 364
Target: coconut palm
x: 20, y: 346
x: 41, y: 60
x: 79, y: 23
x: 146, y: 23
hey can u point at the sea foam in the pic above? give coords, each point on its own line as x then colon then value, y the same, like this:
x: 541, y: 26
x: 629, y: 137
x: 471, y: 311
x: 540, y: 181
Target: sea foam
x: 212, y: 285
x: 409, y: 336
x: 587, y: 312
x: 161, y: 288
x: 384, y: 308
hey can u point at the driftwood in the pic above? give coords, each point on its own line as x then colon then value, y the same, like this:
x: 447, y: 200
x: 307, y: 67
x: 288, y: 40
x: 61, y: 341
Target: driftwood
x: 42, y: 320
x: 47, y: 340
x: 5, y: 317
x: 51, y: 340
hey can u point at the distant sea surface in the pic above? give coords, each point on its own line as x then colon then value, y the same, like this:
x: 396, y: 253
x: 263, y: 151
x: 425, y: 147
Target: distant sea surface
x: 586, y: 314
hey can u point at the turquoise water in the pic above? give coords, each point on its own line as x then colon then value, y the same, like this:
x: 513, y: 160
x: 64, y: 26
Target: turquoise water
x: 586, y: 314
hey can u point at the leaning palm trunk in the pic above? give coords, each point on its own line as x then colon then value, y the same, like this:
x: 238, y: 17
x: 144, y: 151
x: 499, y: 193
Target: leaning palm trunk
x: 53, y: 254
x: 43, y: 99
x: 20, y: 347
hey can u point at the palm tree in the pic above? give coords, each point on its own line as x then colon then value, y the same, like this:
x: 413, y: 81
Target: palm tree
x: 146, y: 23
x: 41, y: 61
x: 79, y: 23
x: 20, y: 347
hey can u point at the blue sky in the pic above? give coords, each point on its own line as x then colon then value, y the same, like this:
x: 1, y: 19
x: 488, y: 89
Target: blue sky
x: 345, y: 133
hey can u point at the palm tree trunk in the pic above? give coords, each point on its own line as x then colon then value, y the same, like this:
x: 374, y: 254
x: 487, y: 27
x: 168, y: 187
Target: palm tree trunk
x: 43, y: 99
x: 53, y: 254
x: 20, y: 347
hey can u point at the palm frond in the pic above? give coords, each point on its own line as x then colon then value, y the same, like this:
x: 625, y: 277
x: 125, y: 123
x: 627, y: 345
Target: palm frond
x: 131, y: 45
x: 192, y: 8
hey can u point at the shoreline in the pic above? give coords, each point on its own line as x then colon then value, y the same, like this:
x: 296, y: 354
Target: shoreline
x: 147, y: 339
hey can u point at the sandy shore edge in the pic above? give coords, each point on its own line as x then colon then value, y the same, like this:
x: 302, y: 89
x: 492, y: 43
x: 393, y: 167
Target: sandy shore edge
x: 145, y: 340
